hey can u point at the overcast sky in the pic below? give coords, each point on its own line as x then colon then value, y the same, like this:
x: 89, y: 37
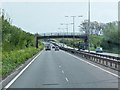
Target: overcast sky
x: 46, y: 16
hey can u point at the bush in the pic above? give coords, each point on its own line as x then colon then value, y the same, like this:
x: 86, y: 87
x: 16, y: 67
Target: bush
x: 17, y: 46
x: 11, y: 60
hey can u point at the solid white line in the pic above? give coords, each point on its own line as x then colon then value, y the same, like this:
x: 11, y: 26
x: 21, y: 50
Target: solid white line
x: 62, y: 71
x: 93, y: 65
x: 13, y: 80
x: 66, y: 79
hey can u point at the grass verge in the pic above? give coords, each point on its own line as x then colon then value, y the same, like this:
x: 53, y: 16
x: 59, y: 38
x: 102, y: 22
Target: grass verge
x: 11, y: 60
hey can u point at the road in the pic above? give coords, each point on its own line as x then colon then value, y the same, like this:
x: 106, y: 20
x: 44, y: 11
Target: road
x: 104, y: 53
x: 58, y: 69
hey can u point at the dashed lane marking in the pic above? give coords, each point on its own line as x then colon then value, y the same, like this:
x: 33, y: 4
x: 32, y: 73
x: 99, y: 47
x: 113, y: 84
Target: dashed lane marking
x: 93, y: 65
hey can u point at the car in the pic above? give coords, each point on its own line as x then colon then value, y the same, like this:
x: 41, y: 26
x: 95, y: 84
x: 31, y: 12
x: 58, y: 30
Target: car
x: 53, y: 46
x: 99, y: 50
x: 56, y: 48
x: 48, y: 47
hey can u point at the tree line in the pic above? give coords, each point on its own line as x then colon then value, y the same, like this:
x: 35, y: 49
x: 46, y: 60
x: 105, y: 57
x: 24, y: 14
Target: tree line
x: 17, y: 47
x: 111, y: 38
x: 14, y: 38
x: 105, y: 35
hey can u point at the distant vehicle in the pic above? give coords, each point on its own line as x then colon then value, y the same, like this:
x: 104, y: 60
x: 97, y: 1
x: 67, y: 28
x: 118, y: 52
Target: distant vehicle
x: 53, y: 46
x: 56, y: 48
x: 47, y: 47
x: 81, y: 46
x: 99, y: 50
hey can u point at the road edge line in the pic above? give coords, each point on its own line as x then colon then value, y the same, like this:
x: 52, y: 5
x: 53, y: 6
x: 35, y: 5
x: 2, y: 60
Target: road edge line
x: 21, y: 72
x: 92, y: 65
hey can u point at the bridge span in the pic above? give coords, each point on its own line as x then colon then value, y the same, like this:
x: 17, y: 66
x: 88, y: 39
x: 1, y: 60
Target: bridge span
x: 60, y: 35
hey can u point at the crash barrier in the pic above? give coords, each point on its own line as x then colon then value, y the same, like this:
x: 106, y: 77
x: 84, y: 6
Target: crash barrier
x: 105, y: 60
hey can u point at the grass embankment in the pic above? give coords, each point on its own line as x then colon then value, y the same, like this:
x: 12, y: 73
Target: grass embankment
x: 11, y: 60
x: 17, y: 47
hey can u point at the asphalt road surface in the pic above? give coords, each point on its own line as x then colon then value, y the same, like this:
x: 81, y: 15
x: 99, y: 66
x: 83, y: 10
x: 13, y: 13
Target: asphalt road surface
x: 57, y: 69
x: 103, y: 53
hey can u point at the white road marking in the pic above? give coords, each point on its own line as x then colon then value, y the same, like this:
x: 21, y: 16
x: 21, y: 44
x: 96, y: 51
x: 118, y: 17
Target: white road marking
x: 13, y: 80
x: 66, y: 79
x: 93, y: 65
x: 62, y: 71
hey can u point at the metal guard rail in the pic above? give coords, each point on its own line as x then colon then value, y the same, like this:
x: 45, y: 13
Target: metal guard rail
x: 107, y: 56
x: 105, y: 60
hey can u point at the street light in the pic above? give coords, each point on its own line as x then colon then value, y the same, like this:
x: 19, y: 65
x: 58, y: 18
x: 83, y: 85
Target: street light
x: 73, y: 29
x: 73, y: 26
x: 79, y: 29
x: 88, y: 26
x: 66, y: 26
x: 80, y: 26
x: 63, y: 35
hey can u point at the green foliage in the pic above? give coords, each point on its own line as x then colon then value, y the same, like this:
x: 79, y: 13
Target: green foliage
x: 95, y: 41
x: 14, y: 38
x: 111, y: 40
x: 70, y: 42
x: 17, y: 47
x: 11, y: 60
x: 111, y: 32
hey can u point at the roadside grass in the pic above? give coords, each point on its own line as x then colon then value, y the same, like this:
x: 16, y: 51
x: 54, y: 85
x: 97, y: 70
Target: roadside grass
x: 11, y: 60
x: 113, y: 51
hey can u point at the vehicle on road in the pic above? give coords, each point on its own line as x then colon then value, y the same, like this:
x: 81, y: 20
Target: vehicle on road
x: 99, y: 50
x: 82, y: 46
x: 53, y: 46
x: 56, y: 48
x: 47, y: 47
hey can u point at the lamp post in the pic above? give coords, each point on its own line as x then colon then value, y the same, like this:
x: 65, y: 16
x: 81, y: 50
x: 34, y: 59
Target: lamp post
x: 63, y: 35
x: 88, y: 33
x: 73, y: 29
x: 80, y: 26
x: 80, y: 30
x: 73, y: 26
x: 66, y: 28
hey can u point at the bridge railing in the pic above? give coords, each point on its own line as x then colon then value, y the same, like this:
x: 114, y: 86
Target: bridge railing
x: 105, y: 60
x: 59, y: 34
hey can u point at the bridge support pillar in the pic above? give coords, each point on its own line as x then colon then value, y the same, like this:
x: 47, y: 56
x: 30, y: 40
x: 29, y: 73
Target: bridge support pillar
x: 36, y: 42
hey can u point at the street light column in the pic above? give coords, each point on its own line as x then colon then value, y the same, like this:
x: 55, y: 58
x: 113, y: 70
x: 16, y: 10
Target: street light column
x: 63, y: 35
x: 88, y: 33
x: 73, y: 29
x: 67, y: 30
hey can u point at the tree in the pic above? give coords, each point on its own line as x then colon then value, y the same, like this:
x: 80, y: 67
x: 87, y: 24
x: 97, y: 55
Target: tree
x: 111, y: 36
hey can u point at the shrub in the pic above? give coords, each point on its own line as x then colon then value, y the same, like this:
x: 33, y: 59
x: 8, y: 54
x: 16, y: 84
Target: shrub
x: 11, y: 60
